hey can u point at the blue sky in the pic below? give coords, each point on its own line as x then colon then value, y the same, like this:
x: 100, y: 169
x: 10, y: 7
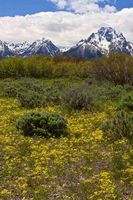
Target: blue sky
x: 23, y: 7
x: 124, y: 4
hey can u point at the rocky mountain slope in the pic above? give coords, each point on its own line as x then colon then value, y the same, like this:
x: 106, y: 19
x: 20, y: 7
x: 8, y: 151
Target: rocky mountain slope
x: 105, y: 41
x: 25, y: 49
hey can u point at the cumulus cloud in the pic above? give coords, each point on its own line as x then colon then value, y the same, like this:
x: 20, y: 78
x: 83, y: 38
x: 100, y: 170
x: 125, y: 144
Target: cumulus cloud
x: 59, y: 3
x: 85, y: 6
x: 64, y: 28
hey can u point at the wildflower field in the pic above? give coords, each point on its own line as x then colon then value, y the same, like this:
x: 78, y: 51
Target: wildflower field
x: 93, y: 162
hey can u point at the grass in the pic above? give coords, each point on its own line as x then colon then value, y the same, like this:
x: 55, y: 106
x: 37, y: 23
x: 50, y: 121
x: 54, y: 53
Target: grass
x: 81, y: 166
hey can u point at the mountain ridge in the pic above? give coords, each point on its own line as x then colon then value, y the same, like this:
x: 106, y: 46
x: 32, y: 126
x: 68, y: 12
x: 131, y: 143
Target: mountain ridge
x: 106, y: 40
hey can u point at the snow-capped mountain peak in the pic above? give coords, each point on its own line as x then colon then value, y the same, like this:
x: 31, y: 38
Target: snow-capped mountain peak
x: 25, y: 49
x: 104, y: 37
x: 4, y: 50
x: 42, y: 46
x: 104, y: 41
x: 18, y: 48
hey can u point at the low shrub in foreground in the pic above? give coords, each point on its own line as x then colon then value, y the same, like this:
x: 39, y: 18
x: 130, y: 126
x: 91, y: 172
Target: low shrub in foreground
x: 112, y: 92
x: 53, y: 94
x: 31, y: 99
x: 121, y: 126
x: 32, y: 85
x: 126, y: 103
x: 79, y: 98
x: 42, y: 124
x: 11, y: 90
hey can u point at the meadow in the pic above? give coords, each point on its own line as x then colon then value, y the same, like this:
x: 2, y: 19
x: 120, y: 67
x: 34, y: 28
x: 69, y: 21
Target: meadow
x: 94, y: 161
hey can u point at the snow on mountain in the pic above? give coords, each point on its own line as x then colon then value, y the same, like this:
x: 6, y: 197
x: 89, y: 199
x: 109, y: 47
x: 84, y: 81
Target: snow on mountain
x: 4, y: 50
x: 63, y: 49
x: 18, y: 48
x: 25, y: 49
x: 43, y: 46
x: 105, y: 41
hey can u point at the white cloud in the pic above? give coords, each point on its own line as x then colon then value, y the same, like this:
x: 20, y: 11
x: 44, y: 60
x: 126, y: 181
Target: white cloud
x: 84, y: 6
x: 59, y: 3
x: 64, y: 28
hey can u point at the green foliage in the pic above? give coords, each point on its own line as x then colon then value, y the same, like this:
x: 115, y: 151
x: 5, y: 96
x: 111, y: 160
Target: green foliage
x: 12, y: 67
x: 104, y: 159
x: 27, y: 84
x: 31, y: 99
x: 112, y: 92
x: 126, y: 103
x: 42, y: 124
x: 29, y: 93
x: 43, y: 66
x: 116, y: 68
x: 80, y: 98
x: 32, y: 93
x: 53, y: 95
x: 117, y: 162
x: 11, y: 90
x: 54, y: 92
x: 121, y: 126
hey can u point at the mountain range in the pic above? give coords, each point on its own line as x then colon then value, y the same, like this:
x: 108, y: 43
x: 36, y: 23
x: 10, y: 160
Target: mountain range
x: 105, y: 41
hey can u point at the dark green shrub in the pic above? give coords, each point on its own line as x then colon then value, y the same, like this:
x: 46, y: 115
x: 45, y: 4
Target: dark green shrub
x: 113, y: 91
x: 15, y: 88
x: 54, y: 92
x: 121, y: 126
x: 128, y: 88
x: 117, y: 162
x: 126, y: 103
x: 53, y: 95
x: 80, y: 98
x: 31, y: 85
x: 9, y: 88
x: 11, y: 91
x: 42, y: 124
x: 31, y: 99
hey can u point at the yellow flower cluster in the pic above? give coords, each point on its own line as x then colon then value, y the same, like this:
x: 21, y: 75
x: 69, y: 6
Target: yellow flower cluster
x: 73, y: 167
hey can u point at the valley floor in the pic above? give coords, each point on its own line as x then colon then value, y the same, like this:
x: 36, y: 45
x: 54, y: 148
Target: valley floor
x: 77, y: 167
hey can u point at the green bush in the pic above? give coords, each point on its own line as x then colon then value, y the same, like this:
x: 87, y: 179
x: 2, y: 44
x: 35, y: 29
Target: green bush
x: 126, y: 103
x: 116, y: 68
x: 42, y: 124
x: 31, y: 99
x: 53, y: 94
x: 79, y: 98
x: 31, y: 85
x: 121, y: 126
x: 32, y: 93
x: 113, y: 91
x: 11, y: 90
x: 43, y: 66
